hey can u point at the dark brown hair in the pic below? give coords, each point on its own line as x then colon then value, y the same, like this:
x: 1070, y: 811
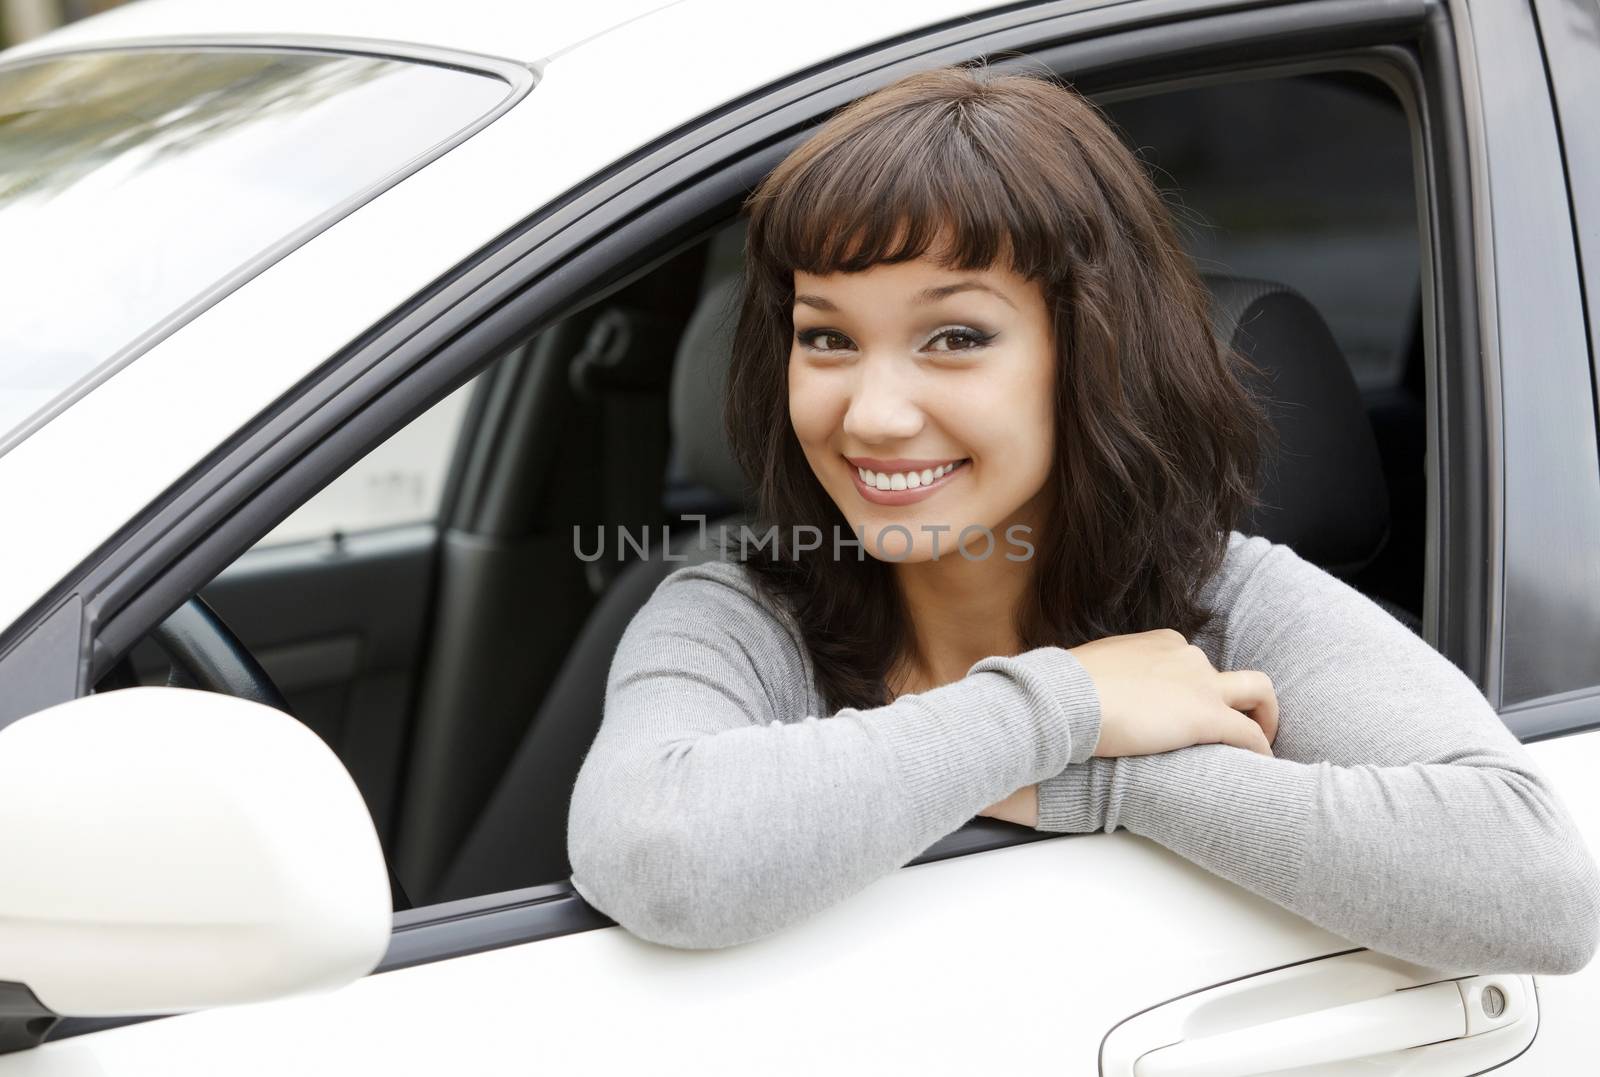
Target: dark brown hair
x: 1158, y: 440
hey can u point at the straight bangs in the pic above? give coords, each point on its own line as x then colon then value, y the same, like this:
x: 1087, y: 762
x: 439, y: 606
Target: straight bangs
x: 893, y: 190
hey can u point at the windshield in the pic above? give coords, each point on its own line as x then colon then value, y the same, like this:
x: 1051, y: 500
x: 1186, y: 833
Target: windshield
x: 135, y: 183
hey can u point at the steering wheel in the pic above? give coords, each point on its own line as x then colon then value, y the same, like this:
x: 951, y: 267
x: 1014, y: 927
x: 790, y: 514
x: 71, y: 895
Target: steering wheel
x: 206, y: 654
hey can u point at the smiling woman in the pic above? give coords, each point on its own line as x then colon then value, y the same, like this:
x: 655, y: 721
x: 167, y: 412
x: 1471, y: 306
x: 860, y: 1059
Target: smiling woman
x: 964, y: 310
x: 997, y: 281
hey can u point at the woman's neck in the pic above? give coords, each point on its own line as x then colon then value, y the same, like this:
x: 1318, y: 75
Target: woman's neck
x: 957, y: 611
x: 961, y: 609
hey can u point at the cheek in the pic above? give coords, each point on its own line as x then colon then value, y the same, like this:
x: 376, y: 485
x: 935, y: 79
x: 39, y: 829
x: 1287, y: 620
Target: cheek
x: 809, y: 406
x: 1017, y: 431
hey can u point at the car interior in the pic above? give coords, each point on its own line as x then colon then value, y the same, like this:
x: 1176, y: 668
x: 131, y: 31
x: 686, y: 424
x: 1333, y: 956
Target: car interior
x: 457, y: 665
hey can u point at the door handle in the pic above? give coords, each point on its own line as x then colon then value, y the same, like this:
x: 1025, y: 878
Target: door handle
x: 1379, y: 1007
x: 1391, y: 1022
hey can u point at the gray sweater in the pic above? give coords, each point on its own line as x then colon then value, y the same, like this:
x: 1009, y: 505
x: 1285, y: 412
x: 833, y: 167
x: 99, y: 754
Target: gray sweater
x: 719, y: 804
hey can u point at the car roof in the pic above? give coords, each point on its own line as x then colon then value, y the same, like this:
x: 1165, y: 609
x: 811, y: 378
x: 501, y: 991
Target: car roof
x: 522, y: 31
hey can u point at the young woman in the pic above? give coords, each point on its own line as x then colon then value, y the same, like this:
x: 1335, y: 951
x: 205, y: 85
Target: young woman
x: 973, y: 361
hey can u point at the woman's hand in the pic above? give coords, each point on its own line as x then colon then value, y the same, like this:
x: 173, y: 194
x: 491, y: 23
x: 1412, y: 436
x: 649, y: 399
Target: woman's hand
x: 1158, y: 693
x: 1020, y: 807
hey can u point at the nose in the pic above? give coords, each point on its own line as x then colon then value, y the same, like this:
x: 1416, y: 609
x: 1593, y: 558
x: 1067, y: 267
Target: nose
x: 882, y: 404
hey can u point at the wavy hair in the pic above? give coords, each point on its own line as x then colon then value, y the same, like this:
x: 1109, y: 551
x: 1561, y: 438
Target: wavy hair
x: 1159, y: 442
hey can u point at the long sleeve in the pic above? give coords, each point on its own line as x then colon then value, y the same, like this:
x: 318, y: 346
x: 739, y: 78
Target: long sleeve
x: 715, y: 806
x: 1398, y: 812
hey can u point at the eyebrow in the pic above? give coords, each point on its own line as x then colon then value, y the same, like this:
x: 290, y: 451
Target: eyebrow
x: 927, y: 295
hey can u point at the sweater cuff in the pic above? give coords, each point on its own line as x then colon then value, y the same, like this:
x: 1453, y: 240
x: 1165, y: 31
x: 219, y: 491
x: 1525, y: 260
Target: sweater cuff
x: 1053, y: 675
x: 1012, y: 721
x: 1074, y: 801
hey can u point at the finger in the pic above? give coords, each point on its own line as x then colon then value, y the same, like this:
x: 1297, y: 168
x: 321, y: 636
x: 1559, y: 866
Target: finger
x: 1250, y: 691
x: 1240, y: 730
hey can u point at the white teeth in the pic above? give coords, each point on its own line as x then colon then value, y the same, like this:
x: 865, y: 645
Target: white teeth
x: 905, y: 480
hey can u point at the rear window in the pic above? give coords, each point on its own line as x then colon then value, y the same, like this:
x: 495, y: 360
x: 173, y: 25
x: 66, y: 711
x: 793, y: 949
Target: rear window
x: 135, y: 184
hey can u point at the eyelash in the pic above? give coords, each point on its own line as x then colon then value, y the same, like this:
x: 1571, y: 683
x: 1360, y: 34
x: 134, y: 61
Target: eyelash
x: 976, y: 340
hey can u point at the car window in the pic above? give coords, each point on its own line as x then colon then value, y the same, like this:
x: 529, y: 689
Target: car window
x: 463, y: 690
x: 1308, y: 183
x: 400, y: 482
x: 133, y: 182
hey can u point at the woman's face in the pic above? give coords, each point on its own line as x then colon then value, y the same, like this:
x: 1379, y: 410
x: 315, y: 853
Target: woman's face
x: 902, y: 370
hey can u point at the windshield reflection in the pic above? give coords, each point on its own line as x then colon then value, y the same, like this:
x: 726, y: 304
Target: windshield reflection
x: 133, y: 181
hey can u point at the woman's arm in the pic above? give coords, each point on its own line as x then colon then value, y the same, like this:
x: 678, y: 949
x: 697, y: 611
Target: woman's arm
x: 1398, y: 811
x: 713, y: 808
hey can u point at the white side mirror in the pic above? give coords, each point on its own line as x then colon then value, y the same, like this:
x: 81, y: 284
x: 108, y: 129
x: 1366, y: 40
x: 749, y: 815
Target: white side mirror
x: 164, y: 850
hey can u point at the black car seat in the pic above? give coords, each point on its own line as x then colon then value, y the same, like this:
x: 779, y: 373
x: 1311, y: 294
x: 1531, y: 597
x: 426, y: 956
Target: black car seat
x: 1326, y: 498
x: 1323, y: 492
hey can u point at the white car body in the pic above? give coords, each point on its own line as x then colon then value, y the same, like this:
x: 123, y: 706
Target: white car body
x: 1003, y: 961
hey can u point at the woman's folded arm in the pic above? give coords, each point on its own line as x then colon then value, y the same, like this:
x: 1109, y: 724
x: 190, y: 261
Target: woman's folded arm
x: 713, y: 808
x: 1398, y: 811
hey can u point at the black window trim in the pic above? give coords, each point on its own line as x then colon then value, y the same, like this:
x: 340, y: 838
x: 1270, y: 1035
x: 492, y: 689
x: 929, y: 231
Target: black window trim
x: 675, y: 191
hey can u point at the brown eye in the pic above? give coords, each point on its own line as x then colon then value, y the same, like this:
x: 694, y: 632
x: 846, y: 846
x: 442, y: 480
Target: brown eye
x: 961, y: 340
x: 823, y: 340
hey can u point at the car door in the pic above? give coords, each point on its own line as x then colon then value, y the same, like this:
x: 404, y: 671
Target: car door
x: 1032, y: 932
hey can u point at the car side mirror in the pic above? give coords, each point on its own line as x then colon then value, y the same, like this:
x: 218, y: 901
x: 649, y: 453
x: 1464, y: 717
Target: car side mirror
x: 165, y: 850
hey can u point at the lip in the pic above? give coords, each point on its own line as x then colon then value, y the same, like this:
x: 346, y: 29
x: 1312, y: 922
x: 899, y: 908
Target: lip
x: 901, y: 497
x: 900, y: 463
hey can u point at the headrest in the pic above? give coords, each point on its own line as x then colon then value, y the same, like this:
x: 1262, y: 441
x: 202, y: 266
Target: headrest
x: 1323, y: 492
x: 698, y: 377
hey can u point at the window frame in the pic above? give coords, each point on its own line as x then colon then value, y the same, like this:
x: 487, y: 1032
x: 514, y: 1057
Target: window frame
x: 651, y: 207
x: 471, y: 925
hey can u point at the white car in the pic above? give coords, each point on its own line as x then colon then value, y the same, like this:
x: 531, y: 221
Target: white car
x: 464, y: 268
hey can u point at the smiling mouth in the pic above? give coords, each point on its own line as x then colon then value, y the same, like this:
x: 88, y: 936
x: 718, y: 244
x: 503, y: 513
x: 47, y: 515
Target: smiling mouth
x: 906, y: 480
x: 904, y: 487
